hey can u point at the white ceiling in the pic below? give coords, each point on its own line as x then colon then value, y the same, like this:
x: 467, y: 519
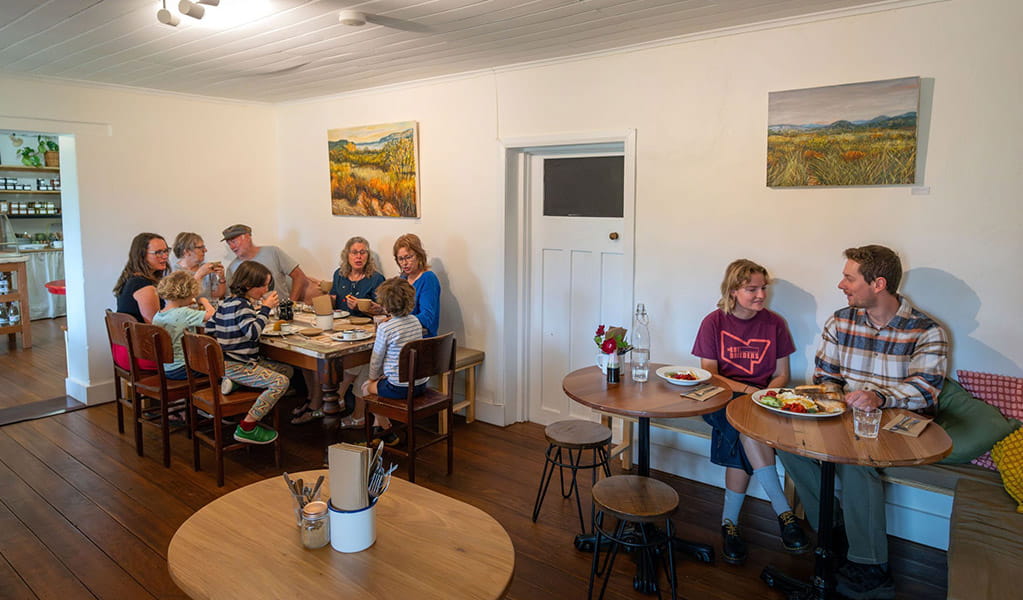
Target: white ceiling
x: 298, y: 49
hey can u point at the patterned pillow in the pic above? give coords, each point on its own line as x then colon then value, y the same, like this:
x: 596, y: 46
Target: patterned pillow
x: 1008, y: 455
x: 1001, y: 391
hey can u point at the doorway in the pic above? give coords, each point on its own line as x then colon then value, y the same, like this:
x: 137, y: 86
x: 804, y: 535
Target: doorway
x: 569, y: 252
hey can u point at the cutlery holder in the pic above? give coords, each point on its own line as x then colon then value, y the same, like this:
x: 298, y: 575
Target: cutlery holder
x: 353, y: 530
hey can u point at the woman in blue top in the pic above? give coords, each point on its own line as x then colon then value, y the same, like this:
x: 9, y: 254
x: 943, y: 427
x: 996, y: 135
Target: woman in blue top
x: 411, y: 259
x: 357, y: 277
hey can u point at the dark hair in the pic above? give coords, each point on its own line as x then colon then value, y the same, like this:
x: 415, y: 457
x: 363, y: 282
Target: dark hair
x: 250, y: 274
x: 137, y: 265
x: 185, y: 241
x: 397, y: 296
x: 878, y: 261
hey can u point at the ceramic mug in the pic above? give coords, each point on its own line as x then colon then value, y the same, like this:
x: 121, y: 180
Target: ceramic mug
x: 325, y: 322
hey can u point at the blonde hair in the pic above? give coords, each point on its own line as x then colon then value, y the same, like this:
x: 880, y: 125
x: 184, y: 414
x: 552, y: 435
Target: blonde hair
x: 346, y: 267
x: 179, y: 285
x: 397, y: 296
x: 413, y: 244
x: 738, y: 274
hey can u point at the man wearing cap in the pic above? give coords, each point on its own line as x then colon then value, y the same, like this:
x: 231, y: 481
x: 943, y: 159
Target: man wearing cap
x: 282, y: 267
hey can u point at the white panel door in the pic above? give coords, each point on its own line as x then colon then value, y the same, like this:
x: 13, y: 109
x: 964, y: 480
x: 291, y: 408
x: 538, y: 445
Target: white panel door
x: 581, y: 277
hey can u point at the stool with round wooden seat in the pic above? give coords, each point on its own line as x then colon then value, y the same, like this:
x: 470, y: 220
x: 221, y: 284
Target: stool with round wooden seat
x: 638, y: 504
x: 572, y: 438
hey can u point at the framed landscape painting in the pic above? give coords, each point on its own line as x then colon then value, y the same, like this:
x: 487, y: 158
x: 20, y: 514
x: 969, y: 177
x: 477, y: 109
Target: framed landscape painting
x: 852, y: 134
x: 374, y: 170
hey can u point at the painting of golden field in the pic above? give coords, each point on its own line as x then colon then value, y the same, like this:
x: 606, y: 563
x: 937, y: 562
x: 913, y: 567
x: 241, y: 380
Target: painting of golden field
x: 374, y: 170
x: 853, y: 134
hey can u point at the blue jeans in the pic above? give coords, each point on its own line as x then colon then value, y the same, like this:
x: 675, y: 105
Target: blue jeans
x: 386, y: 389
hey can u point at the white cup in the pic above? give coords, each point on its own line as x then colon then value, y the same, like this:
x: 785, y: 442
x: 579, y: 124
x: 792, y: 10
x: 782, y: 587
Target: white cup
x: 353, y: 531
x: 349, y: 334
x: 325, y: 322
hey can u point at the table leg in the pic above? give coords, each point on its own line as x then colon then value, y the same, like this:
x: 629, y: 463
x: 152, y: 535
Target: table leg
x: 326, y: 376
x: 823, y: 585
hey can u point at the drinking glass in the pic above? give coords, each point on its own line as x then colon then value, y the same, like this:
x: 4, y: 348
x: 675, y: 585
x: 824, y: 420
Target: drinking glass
x: 866, y: 423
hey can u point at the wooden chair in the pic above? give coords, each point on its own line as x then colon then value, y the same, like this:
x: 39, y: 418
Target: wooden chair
x: 419, y: 359
x: 117, y: 333
x: 152, y: 342
x: 203, y: 356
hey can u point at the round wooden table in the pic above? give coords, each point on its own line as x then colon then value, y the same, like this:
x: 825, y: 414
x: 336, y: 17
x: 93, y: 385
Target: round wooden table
x: 831, y: 440
x: 654, y: 398
x: 429, y: 546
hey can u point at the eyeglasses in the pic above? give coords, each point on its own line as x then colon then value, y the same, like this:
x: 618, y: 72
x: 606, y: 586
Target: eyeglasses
x: 359, y: 252
x: 163, y: 252
x: 200, y: 247
x: 402, y: 259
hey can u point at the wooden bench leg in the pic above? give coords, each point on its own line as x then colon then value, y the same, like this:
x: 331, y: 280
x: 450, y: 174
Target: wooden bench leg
x: 470, y: 394
x: 442, y: 419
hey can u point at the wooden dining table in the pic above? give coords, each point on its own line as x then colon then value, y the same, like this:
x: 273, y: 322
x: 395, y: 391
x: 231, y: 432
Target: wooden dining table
x: 654, y: 398
x: 831, y: 440
x: 326, y: 357
x: 428, y: 546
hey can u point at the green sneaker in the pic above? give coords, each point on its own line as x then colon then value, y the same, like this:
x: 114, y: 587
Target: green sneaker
x: 258, y: 435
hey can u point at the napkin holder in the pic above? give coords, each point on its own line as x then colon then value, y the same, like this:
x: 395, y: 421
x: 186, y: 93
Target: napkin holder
x: 907, y: 423
x: 352, y: 515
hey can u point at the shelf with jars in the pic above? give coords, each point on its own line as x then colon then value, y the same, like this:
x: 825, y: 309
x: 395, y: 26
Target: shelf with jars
x: 14, y: 300
x: 17, y: 186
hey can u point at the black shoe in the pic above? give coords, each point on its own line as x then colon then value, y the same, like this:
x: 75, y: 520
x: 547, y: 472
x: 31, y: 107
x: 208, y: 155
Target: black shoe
x: 865, y: 582
x: 347, y: 403
x: 792, y: 536
x: 387, y: 436
x: 733, y: 548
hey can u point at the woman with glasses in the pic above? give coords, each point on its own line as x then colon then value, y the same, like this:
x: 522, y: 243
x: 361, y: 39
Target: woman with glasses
x: 357, y: 277
x: 411, y: 259
x: 136, y: 287
x: 190, y: 252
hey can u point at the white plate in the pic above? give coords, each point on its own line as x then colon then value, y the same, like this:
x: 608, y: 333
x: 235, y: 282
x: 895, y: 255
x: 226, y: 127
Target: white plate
x: 285, y: 330
x: 821, y: 415
x: 340, y: 314
x: 362, y: 335
x: 701, y: 374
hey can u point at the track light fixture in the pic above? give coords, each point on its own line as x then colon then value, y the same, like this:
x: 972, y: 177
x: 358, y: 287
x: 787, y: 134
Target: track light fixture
x: 192, y: 9
x: 167, y: 17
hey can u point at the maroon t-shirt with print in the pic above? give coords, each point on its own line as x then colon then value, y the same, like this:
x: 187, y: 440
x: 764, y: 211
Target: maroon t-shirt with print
x: 746, y: 350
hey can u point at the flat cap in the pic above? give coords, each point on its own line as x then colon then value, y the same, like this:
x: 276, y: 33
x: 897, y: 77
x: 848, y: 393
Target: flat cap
x: 234, y: 231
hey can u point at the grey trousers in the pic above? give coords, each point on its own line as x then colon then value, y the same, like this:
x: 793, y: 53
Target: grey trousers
x: 862, y: 499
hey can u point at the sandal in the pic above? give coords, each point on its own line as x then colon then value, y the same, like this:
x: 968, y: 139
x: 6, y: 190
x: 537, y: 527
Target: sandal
x: 300, y: 409
x: 307, y: 416
x: 352, y: 423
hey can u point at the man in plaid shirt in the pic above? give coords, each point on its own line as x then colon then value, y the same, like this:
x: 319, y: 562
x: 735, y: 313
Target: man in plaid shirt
x: 882, y: 352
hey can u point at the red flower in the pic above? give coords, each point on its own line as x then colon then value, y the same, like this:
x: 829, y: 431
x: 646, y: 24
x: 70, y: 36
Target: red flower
x: 609, y: 346
x: 600, y: 330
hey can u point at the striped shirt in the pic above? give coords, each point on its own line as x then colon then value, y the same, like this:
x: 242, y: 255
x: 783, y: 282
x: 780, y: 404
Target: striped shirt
x: 391, y: 336
x: 904, y: 361
x: 237, y: 326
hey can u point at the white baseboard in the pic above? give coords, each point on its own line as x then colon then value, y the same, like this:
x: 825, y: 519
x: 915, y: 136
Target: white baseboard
x: 89, y: 393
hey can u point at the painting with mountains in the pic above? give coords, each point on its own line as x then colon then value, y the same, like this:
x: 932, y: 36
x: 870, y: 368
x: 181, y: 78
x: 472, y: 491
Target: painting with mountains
x: 374, y: 170
x: 852, y: 134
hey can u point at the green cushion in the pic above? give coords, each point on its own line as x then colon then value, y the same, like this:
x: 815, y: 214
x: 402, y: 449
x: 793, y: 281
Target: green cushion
x: 973, y: 425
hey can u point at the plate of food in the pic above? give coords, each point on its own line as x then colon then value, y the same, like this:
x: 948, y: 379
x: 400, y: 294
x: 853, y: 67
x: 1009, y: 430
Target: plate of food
x: 796, y: 403
x: 279, y: 328
x: 351, y: 335
x: 341, y: 314
x: 679, y: 375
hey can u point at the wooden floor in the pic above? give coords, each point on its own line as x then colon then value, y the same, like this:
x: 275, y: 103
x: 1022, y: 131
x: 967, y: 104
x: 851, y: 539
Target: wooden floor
x: 81, y: 516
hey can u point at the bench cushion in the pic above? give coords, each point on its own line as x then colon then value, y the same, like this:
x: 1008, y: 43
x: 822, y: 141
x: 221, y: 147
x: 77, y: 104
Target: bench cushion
x: 1001, y: 391
x: 985, y: 543
x: 974, y: 426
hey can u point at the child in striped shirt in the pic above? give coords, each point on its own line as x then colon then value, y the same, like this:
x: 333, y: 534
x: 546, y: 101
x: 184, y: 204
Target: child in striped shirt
x: 237, y: 326
x: 398, y: 299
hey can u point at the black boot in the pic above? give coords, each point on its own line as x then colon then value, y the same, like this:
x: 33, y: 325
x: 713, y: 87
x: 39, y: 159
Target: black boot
x: 792, y: 536
x: 733, y: 548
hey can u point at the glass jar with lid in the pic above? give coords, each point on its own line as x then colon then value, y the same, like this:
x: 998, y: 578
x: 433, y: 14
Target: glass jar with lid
x: 315, y: 530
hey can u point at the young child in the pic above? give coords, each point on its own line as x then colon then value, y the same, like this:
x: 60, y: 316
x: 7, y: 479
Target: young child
x: 237, y: 326
x: 179, y: 291
x: 398, y: 299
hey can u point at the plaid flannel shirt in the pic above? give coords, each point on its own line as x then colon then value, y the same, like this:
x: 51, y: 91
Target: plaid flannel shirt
x: 904, y: 361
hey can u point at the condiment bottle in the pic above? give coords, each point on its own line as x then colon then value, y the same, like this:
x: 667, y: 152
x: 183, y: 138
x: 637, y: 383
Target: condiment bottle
x: 315, y: 530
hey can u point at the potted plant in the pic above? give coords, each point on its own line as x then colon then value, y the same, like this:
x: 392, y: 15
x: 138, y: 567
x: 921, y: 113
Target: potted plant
x: 29, y: 157
x: 50, y: 150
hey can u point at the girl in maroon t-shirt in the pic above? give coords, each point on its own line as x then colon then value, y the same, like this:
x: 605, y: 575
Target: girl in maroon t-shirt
x: 748, y: 346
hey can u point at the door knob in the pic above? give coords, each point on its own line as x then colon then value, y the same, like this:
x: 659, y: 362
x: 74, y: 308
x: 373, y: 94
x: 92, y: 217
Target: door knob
x: 613, y: 235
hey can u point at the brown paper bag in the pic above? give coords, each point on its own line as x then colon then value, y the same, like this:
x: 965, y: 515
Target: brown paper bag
x: 322, y: 305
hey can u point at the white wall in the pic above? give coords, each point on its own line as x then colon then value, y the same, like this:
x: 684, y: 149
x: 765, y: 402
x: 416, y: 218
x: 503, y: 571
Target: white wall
x: 141, y: 162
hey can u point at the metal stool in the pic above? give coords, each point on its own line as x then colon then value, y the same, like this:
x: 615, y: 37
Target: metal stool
x: 638, y: 503
x: 572, y: 437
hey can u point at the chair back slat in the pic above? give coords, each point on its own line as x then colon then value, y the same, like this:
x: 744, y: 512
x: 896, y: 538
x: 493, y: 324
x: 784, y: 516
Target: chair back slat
x: 150, y: 342
x: 116, y: 327
x: 203, y: 355
x: 433, y: 356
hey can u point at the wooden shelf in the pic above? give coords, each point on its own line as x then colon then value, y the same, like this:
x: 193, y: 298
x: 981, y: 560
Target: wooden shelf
x: 28, y: 192
x: 57, y: 216
x: 15, y: 297
x: 23, y: 169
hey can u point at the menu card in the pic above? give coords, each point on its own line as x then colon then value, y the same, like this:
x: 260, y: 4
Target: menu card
x: 349, y: 471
